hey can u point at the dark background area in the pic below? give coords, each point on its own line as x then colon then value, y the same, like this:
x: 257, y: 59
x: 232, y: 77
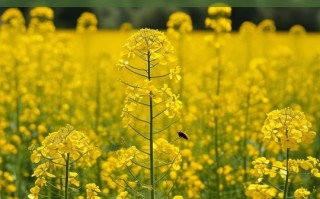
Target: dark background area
x: 112, y: 17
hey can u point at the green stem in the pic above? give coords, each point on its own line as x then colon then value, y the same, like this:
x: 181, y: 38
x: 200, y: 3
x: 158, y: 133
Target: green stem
x: 216, y: 132
x: 286, y: 185
x: 151, y: 134
x: 216, y: 144
x: 17, y: 126
x: 245, y: 141
x: 97, y: 113
x: 97, y: 120
x: 66, y: 186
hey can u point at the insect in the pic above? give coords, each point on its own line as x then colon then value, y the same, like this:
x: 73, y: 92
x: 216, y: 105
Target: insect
x: 183, y: 135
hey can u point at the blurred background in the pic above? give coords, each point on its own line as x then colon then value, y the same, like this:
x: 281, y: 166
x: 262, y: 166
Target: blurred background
x: 112, y: 17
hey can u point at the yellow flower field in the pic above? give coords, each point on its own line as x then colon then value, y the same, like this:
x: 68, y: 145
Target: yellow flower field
x: 174, y: 113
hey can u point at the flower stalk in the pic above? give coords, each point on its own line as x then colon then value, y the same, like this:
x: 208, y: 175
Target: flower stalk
x: 66, y: 185
x: 151, y: 48
x: 286, y: 185
x: 151, y: 134
x: 216, y: 129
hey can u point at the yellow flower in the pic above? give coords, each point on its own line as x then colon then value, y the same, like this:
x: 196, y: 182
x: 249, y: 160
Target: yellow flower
x: 34, y: 193
x: 148, y: 43
x: 293, y: 166
x: 258, y: 191
x: 72, y: 179
x: 178, y: 24
x: 287, y: 127
x: 301, y: 193
x: 41, y: 20
x: 123, y: 195
x: 218, y: 18
x: 92, y: 191
x: 126, y: 156
x: 248, y: 28
x: 126, y: 26
x: 174, y: 106
x: 297, y: 30
x: 260, y: 167
x: 11, y: 188
x: 175, y: 72
x: 219, y: 9
x: 65, y: 141
x: 36, y: 155
x: 12, y: 19
x: 41, y: 171
x: 87, y: 22
x: 266, y: 26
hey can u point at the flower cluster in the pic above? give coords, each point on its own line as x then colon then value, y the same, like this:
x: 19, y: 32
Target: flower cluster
x: 12, y: 19
x: 152, y: 47
x: 218, y: 19
x: 267, y: 26
x: 264, y: 168
x: 134, y: 160
x: 41, y: 20
x: 147, y: 45
x: 61, y: 149
x: 92, y: 191
x: 288, y: 128
x: 7, y: 183
x: 136, y: 95
x: 123, y: 195
x: 58, y: 144
x: 187, y: 176
x: 248, y: 28
x: 167, y: 153
x: 301, y: 193
x: 125, y: 156
x: 179, y: 23
x: 297, y: 30
x: 259, y: 191
x: 87, y: 22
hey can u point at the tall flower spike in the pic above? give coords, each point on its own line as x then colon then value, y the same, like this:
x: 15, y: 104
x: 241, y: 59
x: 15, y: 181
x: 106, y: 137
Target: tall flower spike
x: 149, y: 61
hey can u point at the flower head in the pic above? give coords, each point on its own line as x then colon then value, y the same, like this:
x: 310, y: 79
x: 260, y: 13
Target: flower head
x: 179, y: 23
x: 267, y: 26
x: 289, y: 128
x: 149, y: 43
x: 65, y: 141
x: 12, y: 19
x: 218, y: 18
x: 87, y: 22
x: 92, y: 191
x: 41, y: 20
x: 261, y: 191
x: 34, y: 193
x: 301, y: 193
x: 297, y: 30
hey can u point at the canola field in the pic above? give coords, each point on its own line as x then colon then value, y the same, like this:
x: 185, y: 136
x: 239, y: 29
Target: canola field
x: 176, y: 113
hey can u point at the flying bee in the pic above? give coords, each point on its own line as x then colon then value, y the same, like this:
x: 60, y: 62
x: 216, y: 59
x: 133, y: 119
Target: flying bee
x: 183, y: 135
